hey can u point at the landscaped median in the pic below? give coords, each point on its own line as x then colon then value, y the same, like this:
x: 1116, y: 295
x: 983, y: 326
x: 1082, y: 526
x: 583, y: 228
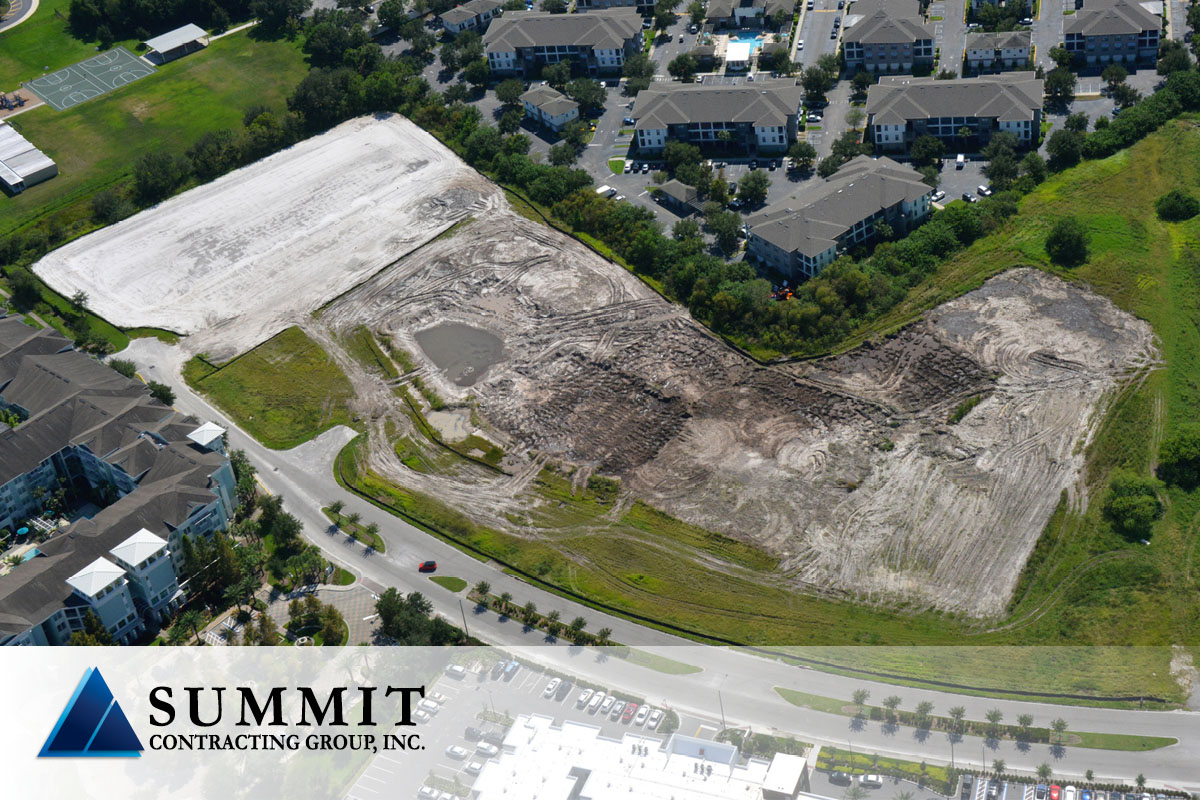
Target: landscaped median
x: 923, y: 718
x: 349, y: 524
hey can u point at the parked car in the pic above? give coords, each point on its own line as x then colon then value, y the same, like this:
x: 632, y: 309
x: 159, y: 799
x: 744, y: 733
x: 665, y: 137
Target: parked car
x: 693, y: 28
x: 984, y: 191
x: 607, y: 705
x: 456, y: 752
x: 630, y: 710
x: 1070, y: 793
x: 960, y: 162
x: 840, y: 778
x: 456, y: 671
x: 422, y: 716
x: 474, y: 768
x: 645, y: 168
x: 498, y: 669
x: 1039, y: 791
x: 993, y: 790
x: 800, y: 44
x: 472, y: 734
x: 628, y: 167
x: 771, y: 166
x: 551, y: 687
x: 732, y: 187
x: 938, y: 197
x: 641, y: 716
x: 427, y: 793
x: 427, y: 566
x: 1086, y: 794
x: 809, y: 5
x: 871, y: 781
x: 754, y: 164
x: 429, y: 705
x: 629, y: 121
x: 654, y: 719
x: 735, y: 204
x: 681, y: 38
x: 969, y: 198
x: 814, y: 117
x: 510, y: 669
x: 487, y: 749
x: 494, y: 737
x: 1055, y: 792
x: 617, y: 710
x: 597, y: 699
x: 833, y: 33
x: 583, y: 698
x: 1099, y: 795
x: 564, y: 689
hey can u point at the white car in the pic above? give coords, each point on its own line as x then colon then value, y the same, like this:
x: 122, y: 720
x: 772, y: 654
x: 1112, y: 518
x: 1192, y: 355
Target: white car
x: 607, y: 704
x: 984, y: 191
x: 474, y: 768
x: 551, y: 688
x: 871, y: 781
x: 429, y: 706
x: 437, y: 697
x: 800, y: 45
x: 617, y: 709
x: 639, y: 718
x: 456, y: 672
x: 1070, y: 793
x: 487, y: 749
x: 939, y: 196
x: 655, y: 718
x: 597, y: 699
x: 422, y: 716
x: 456, y: 752
x: 427, y: 793
x: 583, y: 698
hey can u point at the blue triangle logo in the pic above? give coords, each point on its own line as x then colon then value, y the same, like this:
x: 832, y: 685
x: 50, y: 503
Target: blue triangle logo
x: 92, y: 725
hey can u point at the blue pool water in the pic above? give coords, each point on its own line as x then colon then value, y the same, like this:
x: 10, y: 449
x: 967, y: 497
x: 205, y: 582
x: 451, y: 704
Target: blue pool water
x: 749, y: 37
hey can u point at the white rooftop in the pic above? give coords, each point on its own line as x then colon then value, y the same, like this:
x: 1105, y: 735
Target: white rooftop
x: 541, y: 761
x: 785, y: 774
x: 176, y: 38
x: 139, y: 547
x: 738, y: 52
x: 206, y: 434
x: 95, y: 576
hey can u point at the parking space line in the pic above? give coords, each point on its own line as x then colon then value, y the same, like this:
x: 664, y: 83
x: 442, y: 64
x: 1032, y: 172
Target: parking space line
x: 372, y: 777
x: 366, y: 789
x: 382, y: 769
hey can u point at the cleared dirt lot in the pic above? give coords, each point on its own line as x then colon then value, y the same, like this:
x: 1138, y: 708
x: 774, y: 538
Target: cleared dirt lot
x: 272, y: 240
x: 847, y: 469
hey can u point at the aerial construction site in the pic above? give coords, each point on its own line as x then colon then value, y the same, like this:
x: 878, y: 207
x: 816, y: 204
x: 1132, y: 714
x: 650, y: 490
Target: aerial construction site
x: 918, y: 469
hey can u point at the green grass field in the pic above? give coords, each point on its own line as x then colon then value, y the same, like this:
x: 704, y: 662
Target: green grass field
x: 283, y: 392
x: 449, y: 582
x: 43, y: 43
x: 97, y: 142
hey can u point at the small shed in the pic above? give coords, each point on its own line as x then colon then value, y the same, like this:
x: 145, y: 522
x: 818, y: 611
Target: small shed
x: 684, y: 200
x: 176, y: 44
x: 786, y: 777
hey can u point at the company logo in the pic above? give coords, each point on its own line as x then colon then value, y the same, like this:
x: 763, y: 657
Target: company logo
x: 92, y: 725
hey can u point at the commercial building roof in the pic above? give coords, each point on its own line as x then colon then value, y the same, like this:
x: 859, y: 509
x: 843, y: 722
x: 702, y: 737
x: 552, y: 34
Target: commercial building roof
x: 1111, y: 17
x: 723, y: 9
x: 605, y: 29
x: 541, y: 760
x: 1007, y: 97
x: 761, y: 104
x: 1005, y: 40
x: 469, y: 9
x: 785, y: 775
x: 810, y: 221
x: 549, y: 100
x: 737, y: 52
x: 19, y: 159
x: 177, y: 38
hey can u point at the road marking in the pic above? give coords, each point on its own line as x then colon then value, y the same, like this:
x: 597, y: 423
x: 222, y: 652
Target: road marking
x: 372, y: 777
x: 366, y: 789
x: 381, y: 769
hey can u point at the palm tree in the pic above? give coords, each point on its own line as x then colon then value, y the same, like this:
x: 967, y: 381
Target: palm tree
x: 529, y: 612
x: 372, y: 530
x: 353, y: 517
x: 905, y: 795
x: 1060, y: 727
x: 957, y: 713
x: 1140, y: 781
x: 860, y: 699
x: 190, y: 620
x: 994, y: 715
x: 854, y: 792
x: 505, y: 599
x: 336, y: 507
x: 577, y: 626
x: 1025, y: 720
x: 1044, y: 772
x: 602, y: 636
x: 998, y: 766
x: 483, y: 588
x: 1091, y: 776
x: 552, y: 622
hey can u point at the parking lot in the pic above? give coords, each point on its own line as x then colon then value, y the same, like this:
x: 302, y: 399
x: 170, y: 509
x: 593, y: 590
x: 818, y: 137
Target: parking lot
x: 464, y: 703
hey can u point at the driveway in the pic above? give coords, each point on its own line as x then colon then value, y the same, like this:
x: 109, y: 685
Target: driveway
x: 949, y: 32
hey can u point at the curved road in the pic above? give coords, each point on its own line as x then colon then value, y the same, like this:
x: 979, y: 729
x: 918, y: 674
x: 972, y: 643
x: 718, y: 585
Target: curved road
x: 18, y: 12
x: 745, y: 681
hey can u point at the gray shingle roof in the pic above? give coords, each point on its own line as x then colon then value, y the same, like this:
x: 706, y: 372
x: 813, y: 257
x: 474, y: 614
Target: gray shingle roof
x: 1111, y: 17
x: 886, y: 24
x: 549, y: 100
x: 810, y: 221
x: 722, y: 9
x: 464, y: 12
x: 998, y: 41
x: 606, y: 28
x: 762, y: 103
x: 680, y: 191
x: 1006, y: 97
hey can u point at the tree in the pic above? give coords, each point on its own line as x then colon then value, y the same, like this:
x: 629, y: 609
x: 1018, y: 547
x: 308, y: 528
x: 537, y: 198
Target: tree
x: 725, y: 225
x: 957, y: 713
x: 93, y: 634
x: 477, y: 73
x: 860, y: 697
x: 998, y: 766
x: 353, y: 517
x: 482, y: 588
x: 1024, y: 721
x: 1067, y: 244
x: 927, y: 149
x: 803, y: 155
x: 860, y: 84
x: 557, y: 74
x: 924, y: 709
x: 829, y: 64
x: 855, y: 117
x: 816, y: 82
x: 1140, y: 781
x: 1044, y: 772
x: 577, y: 625
x: 1131, y: 504
x: 1113, y: 75
x: 336, y: 508
x: 529, y: 612
x: 603, y: 637
x: 510, y: 123
x: 1172, y: 57
x: 1089, y: 775
x: 638, y: 71
x: 682, y: 66
x: 752, y: 189
x: 1034, y: 166
x: 930, y: 176
x: 1077, y: 122
x: 509, y: 91
x: 505, y: 601
x: 1064, y: 148
x: 1060, y: 56
x: 161, y: 392
x: 563, y: 155
x: 828, y: 166
x: 275, y: 16
x: 1179, y: 457
x: 1059, y: 726
x: 1060, y: 85
x: 1002, y: 166
x: 891, y: 703
x: 553, y: 6
x: 109, y: 206
x: 1176, y: 206
x: 391, y: 14
x: 123, y: 366
x: 1125, y: 96
x: 589, y: 93
x: 157, y: 175
x: 333, y: 626
x: 190, y: 621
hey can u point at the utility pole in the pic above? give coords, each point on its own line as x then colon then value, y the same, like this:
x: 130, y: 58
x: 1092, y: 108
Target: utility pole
x: 722, y: 704
x: 466, y: 630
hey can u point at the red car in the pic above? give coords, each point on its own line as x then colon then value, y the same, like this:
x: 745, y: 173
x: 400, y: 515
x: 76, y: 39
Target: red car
x: 427, y: 566
x: 630, y: 710
x: 1055, y: 793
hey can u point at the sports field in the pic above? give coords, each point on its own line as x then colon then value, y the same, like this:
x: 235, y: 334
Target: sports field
x: 98, y: 75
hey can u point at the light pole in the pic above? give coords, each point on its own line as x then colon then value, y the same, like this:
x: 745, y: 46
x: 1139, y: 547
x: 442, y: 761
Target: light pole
x: 466, y: 630
x: 721, y: 701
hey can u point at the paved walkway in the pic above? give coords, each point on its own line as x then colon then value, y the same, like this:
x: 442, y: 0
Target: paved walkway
x: 356, y: 602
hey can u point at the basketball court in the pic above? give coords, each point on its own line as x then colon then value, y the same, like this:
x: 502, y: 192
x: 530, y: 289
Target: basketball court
x: 98, y: 75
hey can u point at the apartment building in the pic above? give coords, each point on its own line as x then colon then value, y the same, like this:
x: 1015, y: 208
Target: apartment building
x: 755, y: 117
x: 98, y: 437
x: 597, y: 42
x: 748, y: 13
x: 550, y: 107
x: 1007, y: 50
x: 802, y: 234
x: 963, y: 113
x: 1114, y: 31
x: 474, y: 15
x: 887, y: 36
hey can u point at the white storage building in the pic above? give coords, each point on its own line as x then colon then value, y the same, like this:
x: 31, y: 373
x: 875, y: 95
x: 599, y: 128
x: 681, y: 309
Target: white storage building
x: 21, y: 164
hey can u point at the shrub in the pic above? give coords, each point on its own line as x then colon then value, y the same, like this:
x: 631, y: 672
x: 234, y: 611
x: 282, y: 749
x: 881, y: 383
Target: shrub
x: 1176, y: 206
x: 1179, y: 457
x: 1132, y: 504
x: 1067, y: 243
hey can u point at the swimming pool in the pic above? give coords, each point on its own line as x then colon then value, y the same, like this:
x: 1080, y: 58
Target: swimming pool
x: 747, y: 37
